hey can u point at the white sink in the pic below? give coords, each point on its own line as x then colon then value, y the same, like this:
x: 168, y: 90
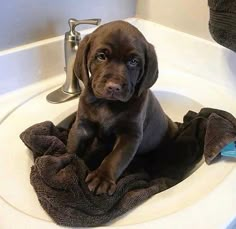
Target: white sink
x: 205, y: 199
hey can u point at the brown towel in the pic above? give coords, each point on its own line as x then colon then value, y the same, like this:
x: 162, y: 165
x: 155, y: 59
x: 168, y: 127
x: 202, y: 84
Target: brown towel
x: 222, y: 22
x: 58, y: 177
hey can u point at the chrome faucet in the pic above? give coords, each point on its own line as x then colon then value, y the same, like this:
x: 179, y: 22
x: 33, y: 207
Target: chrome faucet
x: 71, y: 87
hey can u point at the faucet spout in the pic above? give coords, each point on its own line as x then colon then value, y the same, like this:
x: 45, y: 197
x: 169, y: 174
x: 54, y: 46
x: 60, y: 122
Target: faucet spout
x: 71, y: 87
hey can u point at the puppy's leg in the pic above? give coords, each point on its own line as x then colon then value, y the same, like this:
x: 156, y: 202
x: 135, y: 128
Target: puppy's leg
x: 80, y: 137
x: 103, y: 179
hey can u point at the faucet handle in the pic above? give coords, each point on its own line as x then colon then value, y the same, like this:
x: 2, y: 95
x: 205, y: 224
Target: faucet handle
x: 72, y: 33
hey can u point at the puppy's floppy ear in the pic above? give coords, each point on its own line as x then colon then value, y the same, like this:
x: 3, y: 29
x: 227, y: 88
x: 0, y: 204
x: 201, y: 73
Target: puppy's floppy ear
x: 150, y: 73
x: 80, y: 65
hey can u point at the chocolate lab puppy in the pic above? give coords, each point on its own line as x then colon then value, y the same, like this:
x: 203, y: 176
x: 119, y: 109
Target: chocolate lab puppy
x: 117, y: 112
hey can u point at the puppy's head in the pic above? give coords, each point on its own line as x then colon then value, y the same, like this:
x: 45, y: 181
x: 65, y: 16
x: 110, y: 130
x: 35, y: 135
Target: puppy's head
x: 116, y: 61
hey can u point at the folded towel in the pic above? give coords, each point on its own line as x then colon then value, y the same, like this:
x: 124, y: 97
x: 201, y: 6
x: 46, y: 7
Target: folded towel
x: 222, y: 23
x: 58, y: 177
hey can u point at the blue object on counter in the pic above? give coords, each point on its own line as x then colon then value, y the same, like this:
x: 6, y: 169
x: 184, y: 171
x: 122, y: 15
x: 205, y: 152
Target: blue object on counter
x: 229, y: 150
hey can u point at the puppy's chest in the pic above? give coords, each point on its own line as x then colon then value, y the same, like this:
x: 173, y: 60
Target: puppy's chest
x: 107, y: 121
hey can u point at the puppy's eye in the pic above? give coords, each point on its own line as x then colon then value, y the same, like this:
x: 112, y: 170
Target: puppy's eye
x: 133, y: 62
x: 101, y: 56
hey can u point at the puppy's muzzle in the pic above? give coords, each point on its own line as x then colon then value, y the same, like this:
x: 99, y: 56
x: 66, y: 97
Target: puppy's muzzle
x: 113, y: 88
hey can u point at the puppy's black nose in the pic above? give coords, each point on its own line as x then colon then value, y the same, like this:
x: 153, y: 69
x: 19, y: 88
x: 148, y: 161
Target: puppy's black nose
x: 113, y: 87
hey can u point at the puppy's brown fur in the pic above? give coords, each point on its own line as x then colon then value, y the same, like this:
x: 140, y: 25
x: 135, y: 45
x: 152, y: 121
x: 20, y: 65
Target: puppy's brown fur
x: 117, y: 112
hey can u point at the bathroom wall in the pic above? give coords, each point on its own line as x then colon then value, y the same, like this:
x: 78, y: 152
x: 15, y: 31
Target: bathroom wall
x: 189, y: 16
x: 26, y: 21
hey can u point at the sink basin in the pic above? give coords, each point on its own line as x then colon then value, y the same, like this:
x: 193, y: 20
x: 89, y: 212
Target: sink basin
x: 175, y: 96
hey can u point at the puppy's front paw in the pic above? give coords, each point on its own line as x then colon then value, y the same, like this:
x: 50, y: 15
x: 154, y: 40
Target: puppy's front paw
x: 100, y: 183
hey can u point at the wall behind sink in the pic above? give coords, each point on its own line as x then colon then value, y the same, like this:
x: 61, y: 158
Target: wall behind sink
x: 26, y: 21
x: 189, y: 16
